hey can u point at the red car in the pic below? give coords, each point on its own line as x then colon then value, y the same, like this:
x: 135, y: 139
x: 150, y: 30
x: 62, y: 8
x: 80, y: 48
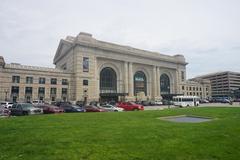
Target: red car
x: 50, y: 109
x: 94, y: 109
x: 130, y: 106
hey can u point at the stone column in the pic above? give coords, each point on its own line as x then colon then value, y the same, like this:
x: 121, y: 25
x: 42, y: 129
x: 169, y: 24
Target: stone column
x: 158, y: 82
x: 97, y: 80
x: 176, y: 88
x: 154, y: 84
x: 130, y: 80
x: 126, y: 77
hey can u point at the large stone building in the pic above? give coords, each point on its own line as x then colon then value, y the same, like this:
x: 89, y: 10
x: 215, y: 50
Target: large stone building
x: 89, y: 69
x: 197, y: 87
x: 223, y: 84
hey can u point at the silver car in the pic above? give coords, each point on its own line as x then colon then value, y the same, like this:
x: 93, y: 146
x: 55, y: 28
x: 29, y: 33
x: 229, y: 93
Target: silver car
x: 19, y: 109
x: 112, y: 108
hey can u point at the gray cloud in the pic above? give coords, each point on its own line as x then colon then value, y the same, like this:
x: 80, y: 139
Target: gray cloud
x: 206, y: 32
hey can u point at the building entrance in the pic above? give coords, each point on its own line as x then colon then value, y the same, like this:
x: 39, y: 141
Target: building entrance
x: 108, y: 98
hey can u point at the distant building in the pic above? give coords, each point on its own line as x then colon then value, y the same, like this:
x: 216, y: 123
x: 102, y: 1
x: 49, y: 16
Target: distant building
x: 223, y: 84
x: 93, y: 70
x: 197, y: 87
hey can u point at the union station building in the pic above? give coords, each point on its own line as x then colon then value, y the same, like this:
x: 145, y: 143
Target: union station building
x: 93, y: 70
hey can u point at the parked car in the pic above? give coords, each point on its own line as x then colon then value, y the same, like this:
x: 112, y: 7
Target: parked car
x: 225, y: 101
x: 25, y: 109
x: 37, y: 102
x: 203, y: 101
x: 80, y: 103
x: 146, y: 103
x: 68, y: 108
x: 237, y: 100
x: 4, y: 111
x: 130, y: 106
x: 94, y: 109
x: 47, y: 108
x: 61, y: 103
x: 167, y: 102
x: 7, y: 104
x: 94, y: 103
x: 158, y: 102
x: 112, y: 108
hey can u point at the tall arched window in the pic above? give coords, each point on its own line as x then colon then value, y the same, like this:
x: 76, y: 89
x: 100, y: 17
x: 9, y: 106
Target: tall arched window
x: 140, y: 83
x: 108, y: 80
x: 165, y: 84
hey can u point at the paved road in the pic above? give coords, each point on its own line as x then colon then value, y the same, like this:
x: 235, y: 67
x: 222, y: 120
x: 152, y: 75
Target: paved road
x: 235, y: 104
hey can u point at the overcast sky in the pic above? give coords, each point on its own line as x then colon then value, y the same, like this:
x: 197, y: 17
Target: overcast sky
x: 206, y: 32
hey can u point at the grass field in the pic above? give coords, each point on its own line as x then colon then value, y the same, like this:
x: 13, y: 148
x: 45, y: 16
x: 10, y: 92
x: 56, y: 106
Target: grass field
x: 122, y: 136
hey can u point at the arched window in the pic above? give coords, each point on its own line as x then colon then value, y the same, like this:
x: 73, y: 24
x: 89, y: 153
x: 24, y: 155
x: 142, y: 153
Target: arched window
x: 164, y: 84
x: 140, y: 83
x: 108, y: 80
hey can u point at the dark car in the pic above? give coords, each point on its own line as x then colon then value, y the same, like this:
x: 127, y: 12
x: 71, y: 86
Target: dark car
x: 47, y: 109
x: 4, y: 111
x: 19, y: 109
x: 80, y: 103
x: 95, y: 109
x: 148, y: 103
x: 72, y: 108
x: 61, y: 103
x: 93, y: 103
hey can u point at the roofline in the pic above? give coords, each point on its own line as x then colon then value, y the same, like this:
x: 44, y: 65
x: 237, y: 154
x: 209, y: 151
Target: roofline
x: 93, y: 43
x: 215, y: 73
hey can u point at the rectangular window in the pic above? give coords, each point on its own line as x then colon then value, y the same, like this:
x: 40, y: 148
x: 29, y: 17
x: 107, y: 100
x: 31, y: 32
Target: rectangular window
x: 85, y: 82
x: 85, y: 64
x: 53, y: 91
x: 183, y: 75
x: 28, y: 90
x: 15, y: 79
x: 41, y: 90
x: 190, y: 88
x: 53, y: 80
x: 41, y: 80
x: 64, y: 91
x: 15, y: 90
x: 29, y: 80
x: 182, y: 87
x: 64, y: 82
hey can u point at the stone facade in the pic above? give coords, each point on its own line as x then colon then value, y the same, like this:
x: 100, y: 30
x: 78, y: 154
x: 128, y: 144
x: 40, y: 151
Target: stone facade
x: 197, y: 87
x: 86, y: 64
x: 19, y: 77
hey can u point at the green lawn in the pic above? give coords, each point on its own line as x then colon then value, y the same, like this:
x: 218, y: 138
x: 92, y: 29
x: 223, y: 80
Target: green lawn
x: 126, y: 136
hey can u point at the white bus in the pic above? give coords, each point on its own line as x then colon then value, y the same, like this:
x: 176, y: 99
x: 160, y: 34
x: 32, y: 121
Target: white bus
x: 185, y: 101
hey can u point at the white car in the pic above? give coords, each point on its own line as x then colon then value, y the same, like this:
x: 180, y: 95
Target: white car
x: 37, y: 102
x: 112, y: 108
x: 7, y: 104
x: 158, y: 102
